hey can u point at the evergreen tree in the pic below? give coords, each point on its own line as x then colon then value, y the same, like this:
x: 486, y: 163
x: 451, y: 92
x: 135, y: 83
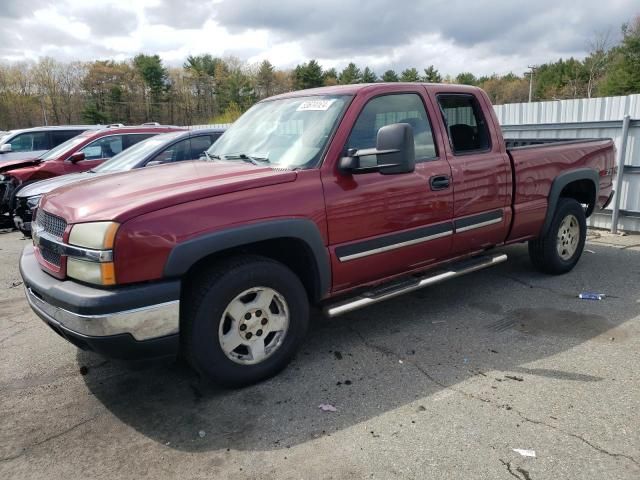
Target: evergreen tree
x: 431, y: 75
x: 389, y: 76
x: 265, y: 79
x: 466, y: 78
x: 410, y: 75
x: 351, y: 74
x: 369, y: 76
x: 308, y: 75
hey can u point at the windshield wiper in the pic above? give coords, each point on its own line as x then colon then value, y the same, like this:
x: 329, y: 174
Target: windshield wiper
x: 255, y: 160
x: 211, y: 157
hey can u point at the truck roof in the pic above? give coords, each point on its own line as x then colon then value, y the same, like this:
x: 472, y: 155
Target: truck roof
x: 379, y: 86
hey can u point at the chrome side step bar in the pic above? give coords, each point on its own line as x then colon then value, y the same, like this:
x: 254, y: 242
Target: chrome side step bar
x: 385, y: 292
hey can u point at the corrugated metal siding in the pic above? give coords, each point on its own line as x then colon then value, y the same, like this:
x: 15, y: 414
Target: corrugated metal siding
x: 585, y: 118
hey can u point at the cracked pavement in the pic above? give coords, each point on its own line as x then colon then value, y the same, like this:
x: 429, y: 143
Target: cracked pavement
x: 441, y: 383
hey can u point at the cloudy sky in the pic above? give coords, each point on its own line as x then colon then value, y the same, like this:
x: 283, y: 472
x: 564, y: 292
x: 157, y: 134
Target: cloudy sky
x: 455, y: 35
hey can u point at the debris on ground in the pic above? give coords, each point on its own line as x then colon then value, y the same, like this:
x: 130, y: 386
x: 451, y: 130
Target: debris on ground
x: 590, y: 251
x: 591, y: 296
x: 327, y: 407
x: 202, y: 433
x: 524, y: 452
x: 338, y: 355
x: 513, y: 377
x: 15, y: 284
x: 439, y: 321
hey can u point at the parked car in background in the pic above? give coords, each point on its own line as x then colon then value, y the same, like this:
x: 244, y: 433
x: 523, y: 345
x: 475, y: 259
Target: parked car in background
x: 339, y: 197
x: 161, y: 149
x: 81, y: 153
x: 33, y: 142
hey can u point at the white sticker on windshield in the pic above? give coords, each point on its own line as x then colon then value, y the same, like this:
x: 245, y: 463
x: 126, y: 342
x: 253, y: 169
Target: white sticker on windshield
x: 318, y: 105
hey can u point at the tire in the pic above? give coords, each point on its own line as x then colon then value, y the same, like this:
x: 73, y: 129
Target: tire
x: 559, y: 250
x: 261, y: 293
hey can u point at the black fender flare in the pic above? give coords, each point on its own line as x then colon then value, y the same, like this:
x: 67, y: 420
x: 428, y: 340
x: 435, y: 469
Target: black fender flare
x: 558, y: 185
x: 184, y: 255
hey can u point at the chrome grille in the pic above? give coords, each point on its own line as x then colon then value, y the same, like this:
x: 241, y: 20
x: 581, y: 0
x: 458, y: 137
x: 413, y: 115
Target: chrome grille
x: 50, y: 256
x: 50, y: 223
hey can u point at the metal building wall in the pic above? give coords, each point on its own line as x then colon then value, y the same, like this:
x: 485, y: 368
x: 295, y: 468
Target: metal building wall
x: 586, y: 118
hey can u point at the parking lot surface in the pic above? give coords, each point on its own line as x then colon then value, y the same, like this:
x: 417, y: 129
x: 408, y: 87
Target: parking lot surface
x: 442, y: 383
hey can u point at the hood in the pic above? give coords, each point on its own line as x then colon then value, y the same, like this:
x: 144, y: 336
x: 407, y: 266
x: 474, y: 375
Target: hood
x: 45, y: 186
x: 121, y: 196
x: 13, y: 164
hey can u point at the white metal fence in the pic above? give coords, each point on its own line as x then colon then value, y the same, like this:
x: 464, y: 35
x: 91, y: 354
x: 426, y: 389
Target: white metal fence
x: 587, y: 118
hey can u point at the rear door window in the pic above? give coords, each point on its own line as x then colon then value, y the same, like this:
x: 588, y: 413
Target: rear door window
x: 28, y: 142
x: 465, y: 123
x: 105, y: 147
x: 62, y: 136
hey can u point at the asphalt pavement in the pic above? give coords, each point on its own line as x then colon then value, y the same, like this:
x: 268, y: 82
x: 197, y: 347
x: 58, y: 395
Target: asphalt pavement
x: 447, y: 383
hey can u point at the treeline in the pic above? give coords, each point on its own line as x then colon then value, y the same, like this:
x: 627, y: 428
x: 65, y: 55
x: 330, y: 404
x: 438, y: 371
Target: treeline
x: 207, y: 89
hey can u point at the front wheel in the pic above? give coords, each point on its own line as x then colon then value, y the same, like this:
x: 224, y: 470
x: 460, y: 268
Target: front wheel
x: 560, y: 248
x: 244, y: 320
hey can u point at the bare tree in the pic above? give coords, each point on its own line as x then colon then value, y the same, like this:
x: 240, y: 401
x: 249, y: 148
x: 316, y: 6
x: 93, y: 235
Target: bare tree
x: 596, y: 63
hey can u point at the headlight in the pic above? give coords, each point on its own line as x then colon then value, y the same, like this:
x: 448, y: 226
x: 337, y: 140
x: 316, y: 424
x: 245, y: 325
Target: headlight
x: 95, y: 235
x: 32, y: 202
x: 85, y: 266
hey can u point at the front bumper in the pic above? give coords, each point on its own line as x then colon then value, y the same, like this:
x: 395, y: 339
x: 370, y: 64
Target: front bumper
x: 125, y: 322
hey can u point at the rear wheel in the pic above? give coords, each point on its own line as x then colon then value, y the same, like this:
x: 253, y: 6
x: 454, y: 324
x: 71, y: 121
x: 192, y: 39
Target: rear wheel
x: 560, y: 248
x: 244, y: 320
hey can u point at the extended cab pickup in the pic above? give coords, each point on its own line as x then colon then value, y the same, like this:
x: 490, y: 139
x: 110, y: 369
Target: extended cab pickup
x: 338, y: 197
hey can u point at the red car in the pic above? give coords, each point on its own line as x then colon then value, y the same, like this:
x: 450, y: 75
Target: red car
x: 339, y: 197
x: 80, y: 153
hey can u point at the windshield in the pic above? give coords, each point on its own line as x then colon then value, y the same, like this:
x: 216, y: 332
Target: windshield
x: 129, y: 158
x: 291, y: 132
x: 63, y: 148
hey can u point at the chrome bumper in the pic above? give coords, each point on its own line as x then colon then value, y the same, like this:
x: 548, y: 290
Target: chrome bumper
x: 144, y: 323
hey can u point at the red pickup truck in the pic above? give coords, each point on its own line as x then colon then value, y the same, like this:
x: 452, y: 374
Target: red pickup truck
x: 338, y: 197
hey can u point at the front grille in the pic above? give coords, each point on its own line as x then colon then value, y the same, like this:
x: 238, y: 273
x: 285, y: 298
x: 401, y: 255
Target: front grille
x: 50, y: 223
x: 50, y: 256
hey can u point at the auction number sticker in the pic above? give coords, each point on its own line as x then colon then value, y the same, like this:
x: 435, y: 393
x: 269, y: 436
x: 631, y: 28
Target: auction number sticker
x: 317, y: 105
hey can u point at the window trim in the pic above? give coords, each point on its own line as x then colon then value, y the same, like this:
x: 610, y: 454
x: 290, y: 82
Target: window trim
x: 476, y: 103
x: 426, y: 110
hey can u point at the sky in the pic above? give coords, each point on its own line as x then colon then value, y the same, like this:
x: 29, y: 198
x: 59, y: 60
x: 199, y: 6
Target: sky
x: 483, y: 37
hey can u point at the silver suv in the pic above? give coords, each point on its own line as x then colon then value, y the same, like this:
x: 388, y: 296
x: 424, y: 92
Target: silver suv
x: 33, y: 142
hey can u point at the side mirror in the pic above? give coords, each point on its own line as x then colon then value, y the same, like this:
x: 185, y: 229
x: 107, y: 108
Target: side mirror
x: 394, y: 152
x: 5, y: 148
x: 76, y: 157
x: 155, y: 162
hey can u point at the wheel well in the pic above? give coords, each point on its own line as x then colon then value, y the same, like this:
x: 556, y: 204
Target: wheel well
x: 584, y: 191
x: 292, y: 252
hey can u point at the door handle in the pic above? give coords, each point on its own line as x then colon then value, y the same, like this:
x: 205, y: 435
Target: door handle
x: 439, y: 182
